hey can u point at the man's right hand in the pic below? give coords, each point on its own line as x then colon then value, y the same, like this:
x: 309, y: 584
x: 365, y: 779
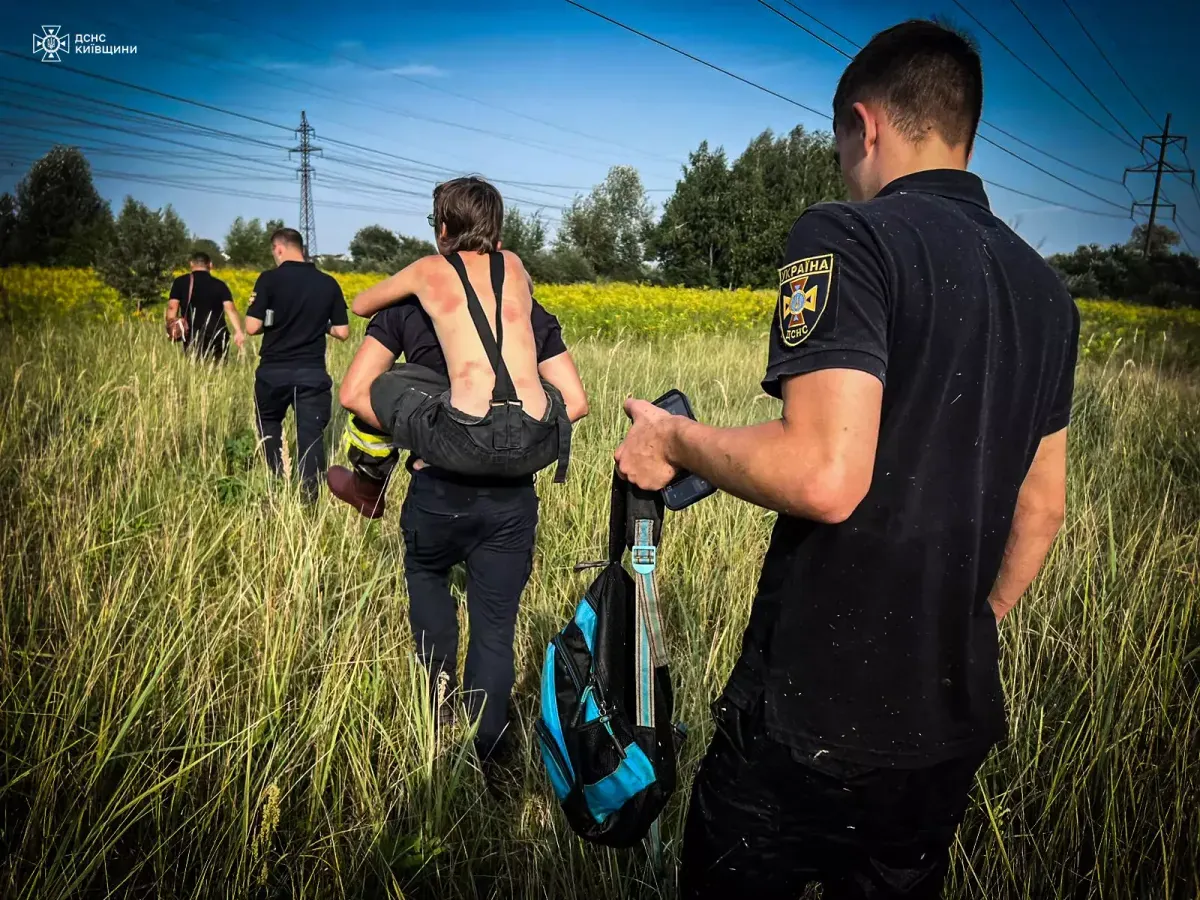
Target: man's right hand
x: 239, y: 339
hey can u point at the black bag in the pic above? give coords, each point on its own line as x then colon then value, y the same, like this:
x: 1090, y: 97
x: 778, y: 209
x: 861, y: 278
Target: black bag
x: 605, y: 726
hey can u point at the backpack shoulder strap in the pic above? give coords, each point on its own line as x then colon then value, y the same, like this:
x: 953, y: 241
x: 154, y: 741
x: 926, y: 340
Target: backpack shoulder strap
x: 503, y: 392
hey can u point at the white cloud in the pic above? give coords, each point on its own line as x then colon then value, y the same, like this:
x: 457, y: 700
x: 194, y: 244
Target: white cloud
x: 421, y: 71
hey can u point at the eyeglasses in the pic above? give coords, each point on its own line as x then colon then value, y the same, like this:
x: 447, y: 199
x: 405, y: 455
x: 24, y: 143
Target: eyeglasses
x: 429, y: 218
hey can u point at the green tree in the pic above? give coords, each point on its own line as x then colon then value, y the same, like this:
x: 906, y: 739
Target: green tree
x: 61, y: 220
x: 693, y: 239
x: 1162, y: 240
x: 772, y: 183
x: 523, y: 235
x: 8, y: 228
x: 372, y: 248
x: 1121, y: 272
x: 248, y: 244
x: 609, y: 227
x: 209, y: 246
x: 562, y: 265
x: 147, y: 245
x: 411, y: 249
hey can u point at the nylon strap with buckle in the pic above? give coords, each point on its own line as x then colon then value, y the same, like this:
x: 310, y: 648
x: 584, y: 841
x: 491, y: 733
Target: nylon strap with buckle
x: 635, y: 521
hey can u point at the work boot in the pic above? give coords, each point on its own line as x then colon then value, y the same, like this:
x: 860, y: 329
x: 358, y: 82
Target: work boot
x: 364, y: 494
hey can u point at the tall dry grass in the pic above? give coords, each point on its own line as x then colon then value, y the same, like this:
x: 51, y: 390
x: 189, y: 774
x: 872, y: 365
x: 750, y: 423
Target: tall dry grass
x: 208, y: 689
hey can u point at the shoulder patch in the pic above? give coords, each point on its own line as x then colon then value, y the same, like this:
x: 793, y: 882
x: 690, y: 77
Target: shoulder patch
x: 804, y: 287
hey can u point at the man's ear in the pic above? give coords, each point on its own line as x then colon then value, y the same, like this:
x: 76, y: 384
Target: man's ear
x: 868, y: 124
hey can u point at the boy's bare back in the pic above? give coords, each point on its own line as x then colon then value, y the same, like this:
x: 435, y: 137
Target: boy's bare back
x: 471, y: 377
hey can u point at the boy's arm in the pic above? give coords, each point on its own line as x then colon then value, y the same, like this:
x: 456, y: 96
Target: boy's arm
x: 561, y: 372
x: 405, y: 283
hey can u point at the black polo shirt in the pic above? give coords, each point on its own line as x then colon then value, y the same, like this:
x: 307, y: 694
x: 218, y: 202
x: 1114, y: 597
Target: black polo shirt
x: 406, y: 329
x: 303, y: 302
x: 872, y: 641
x: 205, y: 309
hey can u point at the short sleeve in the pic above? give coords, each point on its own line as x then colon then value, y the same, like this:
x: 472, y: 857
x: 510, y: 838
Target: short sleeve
x: 337, y: 304
x: 1064, y: 390
x: 547, y: 333
x: 259, y: 298
x: 831, y: 309
x: 225, y: 294
x: 179, y: 289
x: 387, y: 327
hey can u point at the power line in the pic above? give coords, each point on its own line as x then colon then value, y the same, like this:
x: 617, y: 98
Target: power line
x: 1038, y: 76
x: 654, y: 40
x: 1075, y: 74
x: 982, y: 137
x: 825, y: 115
x: 1046, y: 153
x: 220, y: 11
x: 1078, y: 209
x: 1163, y: 141
x: 1104, y: 56
x: 208, y: 106
x: 805, y: 29
x: 824, y: 25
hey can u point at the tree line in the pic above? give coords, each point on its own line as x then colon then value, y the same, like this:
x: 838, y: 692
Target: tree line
x: 723, y: 226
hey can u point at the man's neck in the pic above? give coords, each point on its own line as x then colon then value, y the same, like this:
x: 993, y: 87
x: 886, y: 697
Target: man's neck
x: 291, y: 257
x: 933, y: 154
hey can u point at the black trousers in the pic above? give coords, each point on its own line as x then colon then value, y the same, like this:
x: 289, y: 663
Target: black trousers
x: 492, y: 532
x: 310, y: 393
x: 765, y: 824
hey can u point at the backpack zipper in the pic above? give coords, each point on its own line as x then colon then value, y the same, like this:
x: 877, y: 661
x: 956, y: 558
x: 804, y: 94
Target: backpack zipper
x: 586, y: 689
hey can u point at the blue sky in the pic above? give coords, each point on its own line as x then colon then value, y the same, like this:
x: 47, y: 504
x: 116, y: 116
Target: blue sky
x: 442, y: 88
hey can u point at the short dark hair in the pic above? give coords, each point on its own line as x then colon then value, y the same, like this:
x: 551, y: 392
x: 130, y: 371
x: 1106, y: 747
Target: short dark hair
x: 200, y: 258
x: 289, y: 236
x: 472, y: 211
x: 925, y: 74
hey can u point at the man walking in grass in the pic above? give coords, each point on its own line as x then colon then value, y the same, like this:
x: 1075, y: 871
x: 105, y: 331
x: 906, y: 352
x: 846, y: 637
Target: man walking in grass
x: 294, y: 306
x: 197, y: 308
x: 925, y: 357
x: 485, y: 522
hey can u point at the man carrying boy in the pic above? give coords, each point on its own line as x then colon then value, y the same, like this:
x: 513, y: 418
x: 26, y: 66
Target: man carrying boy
x: 456, y: 367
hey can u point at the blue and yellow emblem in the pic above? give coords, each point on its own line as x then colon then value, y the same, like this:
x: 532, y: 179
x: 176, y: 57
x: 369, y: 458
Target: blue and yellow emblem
x: 804, y: 287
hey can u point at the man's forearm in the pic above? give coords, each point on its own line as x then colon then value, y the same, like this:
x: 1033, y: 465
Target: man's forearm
x: 751, y: 464
x: 1029, y: 542
x: 235, y: 323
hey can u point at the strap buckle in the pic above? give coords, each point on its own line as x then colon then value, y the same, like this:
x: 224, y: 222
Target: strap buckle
x: 516, y: 403
x: 645, y: 558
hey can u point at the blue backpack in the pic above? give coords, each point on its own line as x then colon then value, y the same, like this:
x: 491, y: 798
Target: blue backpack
x: 605, y: 725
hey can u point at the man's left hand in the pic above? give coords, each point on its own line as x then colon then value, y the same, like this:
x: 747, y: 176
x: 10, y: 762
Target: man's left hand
x: 642, y: 456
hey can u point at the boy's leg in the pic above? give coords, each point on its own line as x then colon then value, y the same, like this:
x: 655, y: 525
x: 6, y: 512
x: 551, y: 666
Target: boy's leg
x: 372, y: 459
x: 397, y: 394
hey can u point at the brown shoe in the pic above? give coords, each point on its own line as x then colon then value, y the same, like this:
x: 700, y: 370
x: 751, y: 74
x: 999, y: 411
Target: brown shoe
x: 363, y: 494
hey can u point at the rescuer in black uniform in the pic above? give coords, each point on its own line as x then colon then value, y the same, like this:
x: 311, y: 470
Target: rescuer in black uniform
x: 197, y: 307
x: 294, y: 306
x: 925, y: 357
x: 484, y: 522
